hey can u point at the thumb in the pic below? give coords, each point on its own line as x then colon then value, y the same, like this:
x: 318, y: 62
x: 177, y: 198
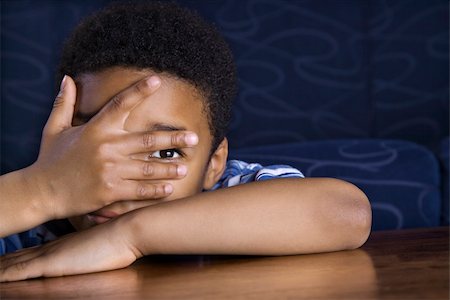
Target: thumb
x: 63, y: 108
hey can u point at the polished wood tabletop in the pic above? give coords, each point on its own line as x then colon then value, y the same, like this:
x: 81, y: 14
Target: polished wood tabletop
x: 404, y: 264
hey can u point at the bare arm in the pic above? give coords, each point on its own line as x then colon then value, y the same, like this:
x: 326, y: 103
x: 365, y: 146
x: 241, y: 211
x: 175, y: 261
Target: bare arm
x: 21, y: 202
x: 277, y: 217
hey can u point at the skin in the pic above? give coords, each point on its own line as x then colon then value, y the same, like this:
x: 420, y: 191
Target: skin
x: 275, y: 217
x: 98, y: 156
x: 175, y: 105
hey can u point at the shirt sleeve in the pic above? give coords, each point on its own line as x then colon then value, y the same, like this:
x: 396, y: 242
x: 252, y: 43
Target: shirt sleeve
x: 29, y: 238
x: 239, y: 172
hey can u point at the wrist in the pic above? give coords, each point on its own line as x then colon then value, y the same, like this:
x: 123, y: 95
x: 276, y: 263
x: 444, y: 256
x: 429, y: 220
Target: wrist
x: 37, y: 187
x: 135, y: 231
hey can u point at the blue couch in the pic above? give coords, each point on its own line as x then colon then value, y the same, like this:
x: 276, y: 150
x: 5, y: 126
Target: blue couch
x: 350, y: 89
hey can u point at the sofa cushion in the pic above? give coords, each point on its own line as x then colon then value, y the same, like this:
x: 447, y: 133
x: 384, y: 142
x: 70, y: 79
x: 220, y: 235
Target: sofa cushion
x: 445, y: 169
x: 401, y: 179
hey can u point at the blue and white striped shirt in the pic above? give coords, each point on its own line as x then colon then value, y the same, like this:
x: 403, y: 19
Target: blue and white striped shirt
x: 239, y: 172
x: 236, y: 172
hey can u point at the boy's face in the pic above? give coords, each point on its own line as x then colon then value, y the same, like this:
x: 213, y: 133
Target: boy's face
x: 175, y: 104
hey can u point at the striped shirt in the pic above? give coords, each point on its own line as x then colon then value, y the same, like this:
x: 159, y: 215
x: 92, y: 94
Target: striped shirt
x: 236, y: 172
x: 239, y: 172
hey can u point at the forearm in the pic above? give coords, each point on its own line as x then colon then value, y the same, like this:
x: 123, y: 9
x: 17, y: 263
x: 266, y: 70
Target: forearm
x: 277, y: 217
x: 21, y: 205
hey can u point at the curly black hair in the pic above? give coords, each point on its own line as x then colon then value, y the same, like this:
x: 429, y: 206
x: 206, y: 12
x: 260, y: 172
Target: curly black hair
x: 163, y: 37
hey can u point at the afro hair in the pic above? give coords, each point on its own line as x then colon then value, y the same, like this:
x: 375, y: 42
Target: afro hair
x: 163, y: 37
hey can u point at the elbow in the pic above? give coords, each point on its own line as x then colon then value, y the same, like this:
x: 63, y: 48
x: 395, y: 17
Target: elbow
x: 360, y: 218
x: 350, y: 216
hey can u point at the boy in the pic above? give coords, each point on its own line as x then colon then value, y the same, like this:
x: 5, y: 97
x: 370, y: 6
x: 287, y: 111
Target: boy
x: 185, y: 68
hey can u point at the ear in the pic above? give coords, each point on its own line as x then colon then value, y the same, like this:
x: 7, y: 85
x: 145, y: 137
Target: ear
x: 216, y: 166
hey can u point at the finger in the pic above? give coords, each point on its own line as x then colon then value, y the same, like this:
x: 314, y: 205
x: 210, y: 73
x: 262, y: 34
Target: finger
x: 152, y: 170
x: 140, y: 142
x: 142, y: 190
x: 22, y: 270
x: 20, y: 256
x: 21, y: 252
x: 63, y: 107
x: 119, y: 107
x: 27, y: 253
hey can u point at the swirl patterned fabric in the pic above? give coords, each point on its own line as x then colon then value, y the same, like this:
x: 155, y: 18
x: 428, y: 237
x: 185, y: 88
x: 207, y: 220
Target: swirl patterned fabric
x: 400, y: 178
x: 334, y: 69
x: 308, y: 71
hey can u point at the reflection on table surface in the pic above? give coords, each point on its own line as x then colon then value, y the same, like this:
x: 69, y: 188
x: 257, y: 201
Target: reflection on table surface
x: 215, y: 277
x: 391, y: 265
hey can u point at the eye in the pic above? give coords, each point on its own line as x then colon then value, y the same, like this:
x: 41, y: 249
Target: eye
x: 165, y: 154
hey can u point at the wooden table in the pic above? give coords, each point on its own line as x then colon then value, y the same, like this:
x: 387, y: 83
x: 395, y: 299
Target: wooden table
x: 407, y: 264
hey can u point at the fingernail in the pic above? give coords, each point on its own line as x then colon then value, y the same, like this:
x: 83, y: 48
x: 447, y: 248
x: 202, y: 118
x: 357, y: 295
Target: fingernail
x: 63, y: 83
x: 168, y: 189
x: 153, y: 81
x: 191, y: 139
x: 181, y: 170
